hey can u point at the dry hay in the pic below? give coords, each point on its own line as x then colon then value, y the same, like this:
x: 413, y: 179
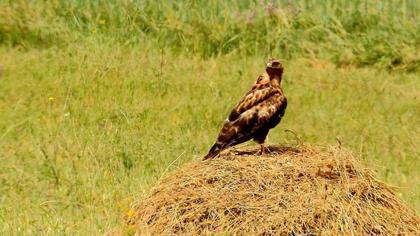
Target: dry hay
x: 292, y: 191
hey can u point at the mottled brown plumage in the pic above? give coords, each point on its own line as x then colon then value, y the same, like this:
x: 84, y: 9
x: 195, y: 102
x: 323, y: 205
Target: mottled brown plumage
x: 260, y: 110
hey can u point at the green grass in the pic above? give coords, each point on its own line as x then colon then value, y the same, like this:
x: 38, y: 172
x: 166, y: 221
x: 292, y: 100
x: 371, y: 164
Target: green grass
x: 93, y: 111
x: 384, y: 35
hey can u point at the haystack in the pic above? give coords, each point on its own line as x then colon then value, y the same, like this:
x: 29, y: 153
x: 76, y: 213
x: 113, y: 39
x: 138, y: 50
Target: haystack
x: 291, y: 191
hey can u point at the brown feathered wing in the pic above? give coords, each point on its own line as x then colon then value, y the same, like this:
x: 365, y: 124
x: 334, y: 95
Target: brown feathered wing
x: 257, y: 112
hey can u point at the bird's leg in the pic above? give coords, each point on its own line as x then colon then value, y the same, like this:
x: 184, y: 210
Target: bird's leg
x: 264, y: 149
x: 261, y: 141
x: 261, y: 149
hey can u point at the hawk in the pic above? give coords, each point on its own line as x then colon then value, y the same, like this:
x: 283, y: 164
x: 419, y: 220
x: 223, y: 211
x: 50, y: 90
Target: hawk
x: 259, y: 110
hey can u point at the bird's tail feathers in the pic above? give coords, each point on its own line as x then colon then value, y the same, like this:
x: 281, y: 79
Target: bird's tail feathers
x: 214, y: 151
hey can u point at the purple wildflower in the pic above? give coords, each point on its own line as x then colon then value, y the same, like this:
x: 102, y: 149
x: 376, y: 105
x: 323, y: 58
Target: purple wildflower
x: 250, y: 18
x: 271, y: 9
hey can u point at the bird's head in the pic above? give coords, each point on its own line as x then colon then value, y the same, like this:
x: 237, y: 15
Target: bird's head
x: 274, y: 68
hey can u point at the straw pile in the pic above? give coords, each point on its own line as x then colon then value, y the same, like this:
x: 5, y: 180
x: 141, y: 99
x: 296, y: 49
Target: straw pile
x: 291, y: 191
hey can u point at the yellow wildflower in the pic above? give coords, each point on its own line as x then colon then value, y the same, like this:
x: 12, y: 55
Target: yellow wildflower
x: 131, y: 213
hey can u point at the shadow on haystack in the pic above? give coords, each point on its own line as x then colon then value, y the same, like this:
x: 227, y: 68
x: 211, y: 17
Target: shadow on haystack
x: 301, y: 190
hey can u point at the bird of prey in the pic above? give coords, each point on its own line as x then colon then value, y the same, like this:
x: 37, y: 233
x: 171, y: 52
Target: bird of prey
x: 259, y: 110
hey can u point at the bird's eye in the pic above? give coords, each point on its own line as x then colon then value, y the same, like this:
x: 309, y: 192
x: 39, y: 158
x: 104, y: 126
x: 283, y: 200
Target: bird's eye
x: 275, y: 63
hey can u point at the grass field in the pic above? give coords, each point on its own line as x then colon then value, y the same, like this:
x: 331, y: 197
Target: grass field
x: 98, y: 101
